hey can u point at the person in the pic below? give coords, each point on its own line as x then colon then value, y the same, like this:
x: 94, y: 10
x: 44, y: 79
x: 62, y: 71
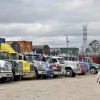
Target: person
x: 98, y: 77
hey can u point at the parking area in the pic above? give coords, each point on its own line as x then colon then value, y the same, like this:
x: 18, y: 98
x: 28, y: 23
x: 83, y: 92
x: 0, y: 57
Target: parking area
x: 82, y: 87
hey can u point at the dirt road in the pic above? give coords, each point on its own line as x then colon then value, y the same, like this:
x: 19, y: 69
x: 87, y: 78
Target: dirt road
x: 82, y: 87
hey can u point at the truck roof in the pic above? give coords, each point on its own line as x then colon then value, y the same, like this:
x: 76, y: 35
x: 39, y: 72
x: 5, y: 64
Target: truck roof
x: 56, y: 57
x: 3, y: 51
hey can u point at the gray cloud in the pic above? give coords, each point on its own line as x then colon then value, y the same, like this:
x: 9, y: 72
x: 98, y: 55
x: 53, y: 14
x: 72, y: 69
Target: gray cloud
x: 49, y: 21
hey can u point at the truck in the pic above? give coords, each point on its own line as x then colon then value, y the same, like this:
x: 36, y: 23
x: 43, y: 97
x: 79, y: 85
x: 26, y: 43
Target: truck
x: 28, y: 68
x: 84, y: 67
x: 17, y: 66
x: 93, y: 67
x: 56, y: 67
x: 73, y: 66
x: 68, y: 68
x: 5, y: 71
x: 42, y: 69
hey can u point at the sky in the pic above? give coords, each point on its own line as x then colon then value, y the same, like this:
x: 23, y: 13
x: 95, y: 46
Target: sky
x: 48, y: 22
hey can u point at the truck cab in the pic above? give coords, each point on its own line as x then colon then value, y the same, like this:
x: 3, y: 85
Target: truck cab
x: 93, y: 67
x: 17, y: 67
x: 5, y: 70
x: 56, y: 67
x: 72, y: 65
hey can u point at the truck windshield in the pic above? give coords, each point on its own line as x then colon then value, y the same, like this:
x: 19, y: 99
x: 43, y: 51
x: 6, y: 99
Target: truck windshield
x: 90, y: 60
x: 60, y: 60
x: 36, y: 57
x: 3, y: 55
x: 48, y: 59
x: 29, y: 58
x: 13, y: 56
x: 66, y: 58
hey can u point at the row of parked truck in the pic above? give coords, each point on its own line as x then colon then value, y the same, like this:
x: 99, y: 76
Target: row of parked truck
x: 16, y: 66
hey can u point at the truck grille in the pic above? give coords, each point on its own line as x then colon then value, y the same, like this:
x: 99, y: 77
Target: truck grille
x: 59, y: 68
x: 8, y: 66
x: 19, y: 66
x: 31, y: 67
x: 78, y: 66
x: 51, y: 67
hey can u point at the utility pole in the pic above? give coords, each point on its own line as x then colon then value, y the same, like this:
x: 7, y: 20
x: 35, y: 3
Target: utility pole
x: 67, y: 41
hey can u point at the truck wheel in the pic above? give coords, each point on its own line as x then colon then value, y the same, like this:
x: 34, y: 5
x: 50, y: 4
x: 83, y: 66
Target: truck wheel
x: 17, y: 78
x: 93, y: 71
x: 69, y: 73
x: 3, y: 80
x: 45, y: 77
x: 55, y: 76
x: 10, y: 79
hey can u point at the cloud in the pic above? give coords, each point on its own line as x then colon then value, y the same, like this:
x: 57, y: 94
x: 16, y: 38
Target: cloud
x: 49, y: 22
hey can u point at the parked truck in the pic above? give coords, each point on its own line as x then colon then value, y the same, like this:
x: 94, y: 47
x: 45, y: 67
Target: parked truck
x: 42, y: 69
x: 5, y: 71
x: 17, y: 66
x: 68, y: 68
x: 93, y: 67
x: 56, y: 67
x: 28, y: 68
x: 73, y: 66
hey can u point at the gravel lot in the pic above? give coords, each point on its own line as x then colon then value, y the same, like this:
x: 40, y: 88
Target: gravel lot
x: 83, y: 87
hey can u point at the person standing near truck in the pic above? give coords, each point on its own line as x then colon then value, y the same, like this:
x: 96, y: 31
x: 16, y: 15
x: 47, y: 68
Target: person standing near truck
x: 98, y: 77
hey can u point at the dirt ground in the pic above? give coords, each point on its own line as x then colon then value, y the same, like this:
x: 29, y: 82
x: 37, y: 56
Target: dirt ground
x: 83, y: 87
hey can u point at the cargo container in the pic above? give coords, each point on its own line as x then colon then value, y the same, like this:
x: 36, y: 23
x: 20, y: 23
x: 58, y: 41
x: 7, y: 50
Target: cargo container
x: 55, y: 51
x: 42, y: 49
x: 2, y: 40
x: 25, y: 46
x: 70, y: 51
x: 15, y: 46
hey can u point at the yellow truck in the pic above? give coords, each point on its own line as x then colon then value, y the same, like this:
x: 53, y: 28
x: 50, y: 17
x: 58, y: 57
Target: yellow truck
x: 28, y: 68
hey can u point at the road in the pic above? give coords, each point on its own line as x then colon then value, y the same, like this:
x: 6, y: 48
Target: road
x: 82, y: 87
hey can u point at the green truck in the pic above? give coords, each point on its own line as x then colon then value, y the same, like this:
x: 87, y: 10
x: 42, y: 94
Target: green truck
x: 93, y: 67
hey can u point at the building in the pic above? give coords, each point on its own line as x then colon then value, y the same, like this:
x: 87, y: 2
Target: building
x: 42, y: 49
x: 21, y: 46
x: 70, y: 51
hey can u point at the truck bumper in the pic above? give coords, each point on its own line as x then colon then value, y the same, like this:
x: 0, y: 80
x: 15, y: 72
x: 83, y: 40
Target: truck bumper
x: 6, y: 75
x: 49, y: 73
x: 57, y: 73
x: 77, y: 71
x: 28, y: 74
x: 19, y: 73
x: 42, y: 72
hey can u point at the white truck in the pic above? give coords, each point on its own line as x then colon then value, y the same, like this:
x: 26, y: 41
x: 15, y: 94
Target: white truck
x: 68, y: 68
x: 5, y: 71
x: 72, y: 68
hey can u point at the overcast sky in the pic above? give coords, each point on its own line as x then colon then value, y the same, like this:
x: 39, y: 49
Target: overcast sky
x: 50, y: 21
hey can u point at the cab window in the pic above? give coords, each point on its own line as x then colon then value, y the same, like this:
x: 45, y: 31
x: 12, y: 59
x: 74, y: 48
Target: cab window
x: 54, y: 60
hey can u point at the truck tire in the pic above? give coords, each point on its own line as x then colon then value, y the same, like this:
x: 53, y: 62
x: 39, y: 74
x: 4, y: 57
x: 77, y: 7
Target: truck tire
x: 45, y: 77
x: 3, y: 80
x: 69, y: 73
x: 93, y: 71
x: 55, y: 76
x: 10, y: 79
x: 17, y: 78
